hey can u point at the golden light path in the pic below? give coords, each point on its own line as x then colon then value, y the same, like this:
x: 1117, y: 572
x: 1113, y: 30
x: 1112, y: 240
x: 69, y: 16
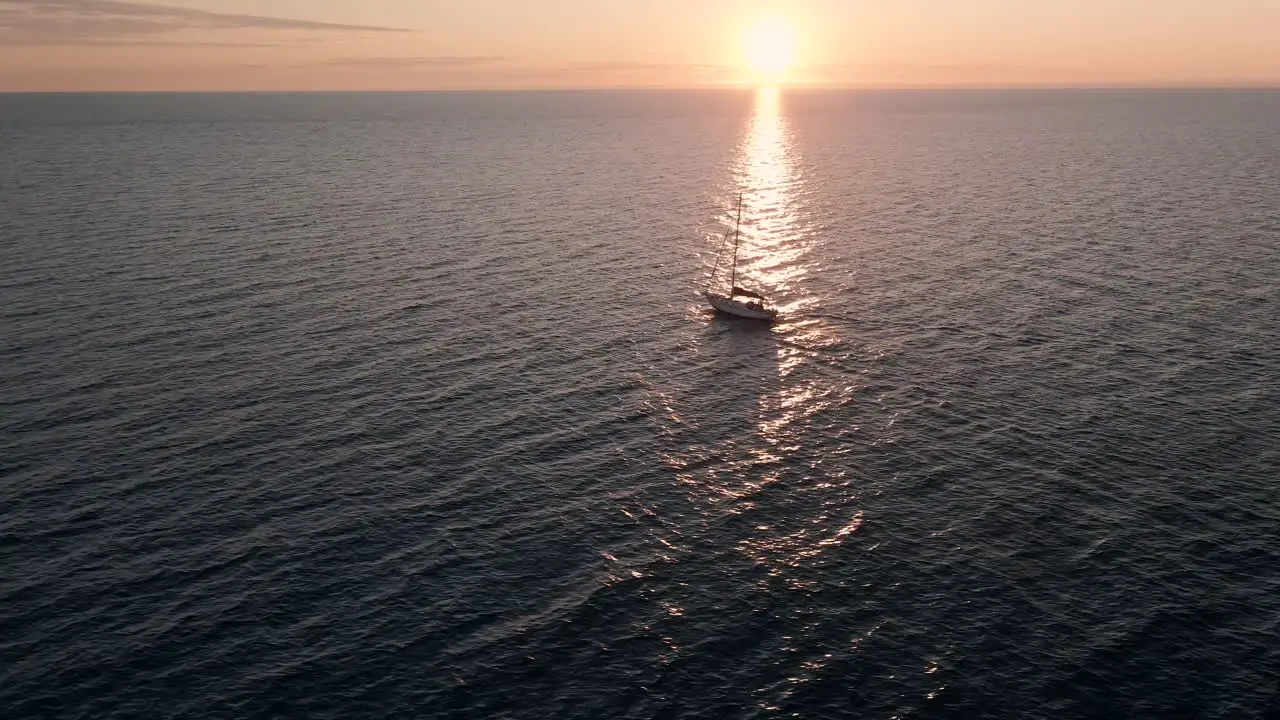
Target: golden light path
x: 779, y: 241
x: 764, y: 443
x: 774, y: 234
x: 779, y: 236
x: 821, y: 512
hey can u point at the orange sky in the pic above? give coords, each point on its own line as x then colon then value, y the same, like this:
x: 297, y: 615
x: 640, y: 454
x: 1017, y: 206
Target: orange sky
x: 455, y: 44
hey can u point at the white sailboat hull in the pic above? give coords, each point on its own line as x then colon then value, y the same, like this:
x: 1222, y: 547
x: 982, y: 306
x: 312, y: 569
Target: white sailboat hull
x: 732, y: 307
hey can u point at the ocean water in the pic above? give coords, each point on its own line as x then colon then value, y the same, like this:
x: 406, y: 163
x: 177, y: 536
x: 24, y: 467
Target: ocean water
x: 367, y: 406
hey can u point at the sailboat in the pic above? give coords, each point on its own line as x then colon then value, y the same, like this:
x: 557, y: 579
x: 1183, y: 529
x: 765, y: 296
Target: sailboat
x: 752, y: 305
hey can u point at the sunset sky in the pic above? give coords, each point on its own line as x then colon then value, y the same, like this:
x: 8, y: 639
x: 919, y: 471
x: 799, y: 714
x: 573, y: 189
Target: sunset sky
x: 457, y: 44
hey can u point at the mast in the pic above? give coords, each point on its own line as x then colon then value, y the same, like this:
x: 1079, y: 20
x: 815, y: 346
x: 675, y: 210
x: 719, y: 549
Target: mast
x: 733, y: 276
x: 716, y: 266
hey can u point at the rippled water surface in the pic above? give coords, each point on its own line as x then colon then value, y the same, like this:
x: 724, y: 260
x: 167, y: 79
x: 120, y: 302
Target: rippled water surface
x: 369, y: 406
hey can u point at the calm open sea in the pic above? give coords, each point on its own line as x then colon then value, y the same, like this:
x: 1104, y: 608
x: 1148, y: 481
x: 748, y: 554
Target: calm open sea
x: 362, y: 406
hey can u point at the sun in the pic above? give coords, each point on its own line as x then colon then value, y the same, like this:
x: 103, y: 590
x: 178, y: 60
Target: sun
x: 769, y: 47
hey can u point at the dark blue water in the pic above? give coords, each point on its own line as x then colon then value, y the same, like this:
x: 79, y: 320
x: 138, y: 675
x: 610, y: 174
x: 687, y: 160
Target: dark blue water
x: 369, y: 406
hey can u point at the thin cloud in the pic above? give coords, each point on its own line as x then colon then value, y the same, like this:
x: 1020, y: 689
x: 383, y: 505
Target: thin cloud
x: 431, y: 61
x: 624, y: 66
x: 62, y: 22
x: 892, y: 72
x: 620, y: 71
x: 125, y: 42
x: 510, y: 66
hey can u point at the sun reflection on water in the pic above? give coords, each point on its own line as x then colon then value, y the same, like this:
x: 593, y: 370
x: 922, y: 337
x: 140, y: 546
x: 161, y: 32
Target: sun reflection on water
x: 778, y: 237
x: 775, y: 237
x: 753, y: 428
x: 799, y: 446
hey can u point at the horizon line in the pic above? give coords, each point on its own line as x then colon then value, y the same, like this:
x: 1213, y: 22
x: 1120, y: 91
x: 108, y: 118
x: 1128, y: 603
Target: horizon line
x: 736, y: 87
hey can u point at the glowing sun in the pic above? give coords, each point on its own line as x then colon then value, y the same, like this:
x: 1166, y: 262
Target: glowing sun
x: 769, y: 47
